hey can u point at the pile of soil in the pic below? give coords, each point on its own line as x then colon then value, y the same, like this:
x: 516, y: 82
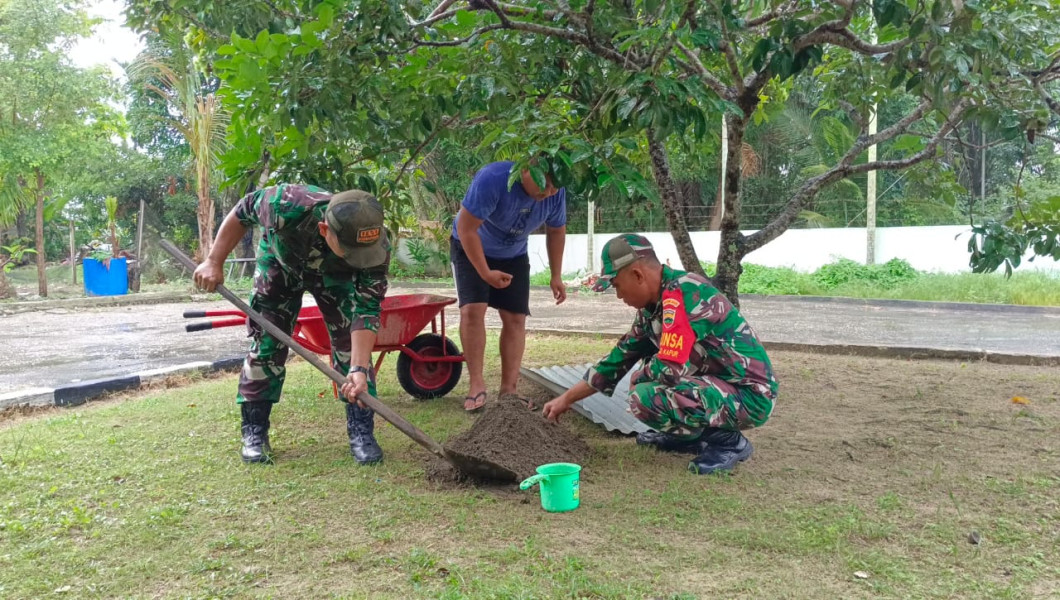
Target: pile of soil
x: 510, y: 435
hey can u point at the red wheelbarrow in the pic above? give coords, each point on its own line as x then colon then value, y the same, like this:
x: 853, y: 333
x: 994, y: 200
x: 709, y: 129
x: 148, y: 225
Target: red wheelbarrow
x: 429, y: 365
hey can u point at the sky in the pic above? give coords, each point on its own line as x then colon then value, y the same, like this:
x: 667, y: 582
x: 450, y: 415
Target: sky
x: 111, y: 41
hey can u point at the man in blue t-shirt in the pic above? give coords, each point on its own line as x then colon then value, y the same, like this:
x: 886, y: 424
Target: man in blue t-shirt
x: 491, y: 266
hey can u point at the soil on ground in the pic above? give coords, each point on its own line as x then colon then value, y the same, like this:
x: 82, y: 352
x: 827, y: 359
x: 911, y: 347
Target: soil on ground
x: 512, y: 436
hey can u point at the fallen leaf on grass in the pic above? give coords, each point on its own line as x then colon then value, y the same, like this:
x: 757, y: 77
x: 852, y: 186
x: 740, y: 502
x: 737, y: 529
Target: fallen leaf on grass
x: 1020, y: 400
x: 192, y: 405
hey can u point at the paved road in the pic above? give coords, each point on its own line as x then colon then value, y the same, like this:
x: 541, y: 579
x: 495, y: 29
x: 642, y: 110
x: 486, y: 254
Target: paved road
x: 59, y: 346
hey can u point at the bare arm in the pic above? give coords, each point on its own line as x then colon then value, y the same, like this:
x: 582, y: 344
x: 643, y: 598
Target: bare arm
x: 210, y: 273
x: 555, y: 238
x: 467, y: 227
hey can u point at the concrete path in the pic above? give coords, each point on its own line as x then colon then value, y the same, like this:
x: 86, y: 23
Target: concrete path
x: 60, y: 346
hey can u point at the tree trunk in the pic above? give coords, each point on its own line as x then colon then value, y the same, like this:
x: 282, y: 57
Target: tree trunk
x: 6, y: 291
x: 205, y: 215
x: 20, y: 223
x: 730, y: 249
x: 42, y: 279
x: 671, y: 205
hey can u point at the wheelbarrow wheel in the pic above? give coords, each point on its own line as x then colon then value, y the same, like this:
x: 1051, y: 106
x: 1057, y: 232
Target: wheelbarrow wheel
x: 426, y: 380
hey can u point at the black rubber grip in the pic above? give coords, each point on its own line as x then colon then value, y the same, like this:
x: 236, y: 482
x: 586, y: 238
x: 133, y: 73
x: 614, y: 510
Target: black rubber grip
x: 194, y: 314
x: 198, y: 326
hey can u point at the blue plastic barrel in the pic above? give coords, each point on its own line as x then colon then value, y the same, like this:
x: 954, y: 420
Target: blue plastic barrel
x: 101, y: 281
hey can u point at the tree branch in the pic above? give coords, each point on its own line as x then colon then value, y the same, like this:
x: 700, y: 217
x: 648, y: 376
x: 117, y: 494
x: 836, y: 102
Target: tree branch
x: 769, y: 16
x: 1051, y: 102
x: 844, y: 38
x: 729, y: 52
x: 441, y: 8
x: 522, y: 11
x: 430, y: 138
x: 845, y: 168
x: 434, y: 18
x: 577, y: 38
x: 1052, y: 138
x: 492, y: 4
x: 419, y: 42
x: 712, y: 82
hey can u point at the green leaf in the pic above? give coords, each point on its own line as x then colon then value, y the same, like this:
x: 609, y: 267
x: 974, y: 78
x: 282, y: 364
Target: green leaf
x: 908, y: 143
x: 706, y: 38
x: 914, y: 82
x: 466, y: 18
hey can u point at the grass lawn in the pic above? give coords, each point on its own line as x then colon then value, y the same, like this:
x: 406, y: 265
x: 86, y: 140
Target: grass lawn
x: 867, y: 482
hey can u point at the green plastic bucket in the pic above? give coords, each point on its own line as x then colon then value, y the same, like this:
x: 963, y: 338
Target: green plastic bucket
x: 559, y: 486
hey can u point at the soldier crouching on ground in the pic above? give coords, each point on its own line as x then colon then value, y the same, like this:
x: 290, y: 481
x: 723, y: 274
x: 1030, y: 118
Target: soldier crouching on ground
x: 705, y: 375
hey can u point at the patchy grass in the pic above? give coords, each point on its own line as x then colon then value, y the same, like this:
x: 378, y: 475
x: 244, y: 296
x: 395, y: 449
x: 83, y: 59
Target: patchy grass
x: 868, y: 466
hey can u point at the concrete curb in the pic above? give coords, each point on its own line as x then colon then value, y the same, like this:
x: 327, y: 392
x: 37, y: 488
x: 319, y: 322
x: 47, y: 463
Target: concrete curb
x: 927, y: 304
x: 78, y: 393
x: 10, y: 308
x: 906, y: 352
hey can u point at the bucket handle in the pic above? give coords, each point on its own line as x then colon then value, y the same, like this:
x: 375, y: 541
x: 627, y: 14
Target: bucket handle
x: 530, y: 481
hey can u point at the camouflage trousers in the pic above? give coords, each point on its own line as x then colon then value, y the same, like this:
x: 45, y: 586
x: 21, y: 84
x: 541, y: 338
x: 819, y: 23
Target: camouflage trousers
x: 696, y: 403
x: 277, y: 295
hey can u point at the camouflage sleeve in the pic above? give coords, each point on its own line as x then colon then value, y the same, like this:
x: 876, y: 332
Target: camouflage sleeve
x: 370, y: 289
x: 634, y: 345
x: 251, y: 208
x: 707, y: 311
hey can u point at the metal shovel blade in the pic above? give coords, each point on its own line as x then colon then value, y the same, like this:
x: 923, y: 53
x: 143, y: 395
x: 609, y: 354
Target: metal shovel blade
x: 478, y: 467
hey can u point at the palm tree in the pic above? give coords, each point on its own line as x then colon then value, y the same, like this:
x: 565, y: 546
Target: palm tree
x: 195, y: 111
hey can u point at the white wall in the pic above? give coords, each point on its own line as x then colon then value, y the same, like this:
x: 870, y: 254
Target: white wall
x: 934, y: 249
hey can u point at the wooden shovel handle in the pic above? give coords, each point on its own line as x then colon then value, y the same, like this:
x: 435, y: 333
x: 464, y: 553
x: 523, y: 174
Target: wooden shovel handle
x: 384, y: 411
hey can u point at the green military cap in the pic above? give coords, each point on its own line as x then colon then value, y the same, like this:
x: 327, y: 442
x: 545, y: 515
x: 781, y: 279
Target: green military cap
x: 618, y: 253
x: 356, y: 218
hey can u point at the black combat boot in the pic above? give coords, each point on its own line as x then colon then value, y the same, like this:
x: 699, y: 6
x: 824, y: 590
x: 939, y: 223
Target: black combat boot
x: 723, y: 450
x: 667, y: 442
x: 256, y: 447
x: 360, y: 422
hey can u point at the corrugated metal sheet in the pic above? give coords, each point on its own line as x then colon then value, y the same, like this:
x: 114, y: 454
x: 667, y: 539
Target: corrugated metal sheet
x: 598, y: 408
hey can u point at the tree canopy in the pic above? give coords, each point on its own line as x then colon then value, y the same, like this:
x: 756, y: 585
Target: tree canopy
x: 350, y: 94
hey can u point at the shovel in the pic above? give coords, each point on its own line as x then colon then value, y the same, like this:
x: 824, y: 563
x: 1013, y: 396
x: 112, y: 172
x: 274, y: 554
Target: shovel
x: 469, y: 465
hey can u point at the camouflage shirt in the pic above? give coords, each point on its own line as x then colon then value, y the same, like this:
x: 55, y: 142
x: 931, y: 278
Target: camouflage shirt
x: 288, y: 215
x: 723, y: 344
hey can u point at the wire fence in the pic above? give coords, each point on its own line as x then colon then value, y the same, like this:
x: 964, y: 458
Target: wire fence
x: 827, y: 212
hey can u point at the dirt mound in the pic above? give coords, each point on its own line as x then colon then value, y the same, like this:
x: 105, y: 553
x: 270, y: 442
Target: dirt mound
x: 510, y: 435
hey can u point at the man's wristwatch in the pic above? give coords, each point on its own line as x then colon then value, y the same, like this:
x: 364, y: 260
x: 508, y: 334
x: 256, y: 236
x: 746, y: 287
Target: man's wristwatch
x: 360, y: 369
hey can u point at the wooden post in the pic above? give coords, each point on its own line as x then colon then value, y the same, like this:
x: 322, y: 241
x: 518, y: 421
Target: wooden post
x: 73, y: 254
x: 140, y: 235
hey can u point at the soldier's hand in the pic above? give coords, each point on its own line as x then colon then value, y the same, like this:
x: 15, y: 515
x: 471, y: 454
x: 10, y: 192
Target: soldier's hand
x: 355, y: 384
x: 209, y: 275
x: 555, y: 407
x: 498, y: 279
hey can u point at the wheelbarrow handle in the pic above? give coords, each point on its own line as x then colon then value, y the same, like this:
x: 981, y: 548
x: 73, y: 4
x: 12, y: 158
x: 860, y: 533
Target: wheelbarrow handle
x: 204, y: 325
x: 384, y: 411
x: 195, y: 314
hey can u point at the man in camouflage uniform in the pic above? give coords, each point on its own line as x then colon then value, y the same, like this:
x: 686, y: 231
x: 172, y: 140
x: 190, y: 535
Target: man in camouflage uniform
x: 705, y: 375
x: 334, y: 247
